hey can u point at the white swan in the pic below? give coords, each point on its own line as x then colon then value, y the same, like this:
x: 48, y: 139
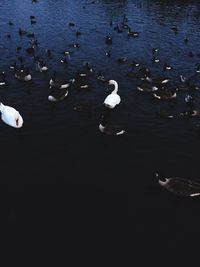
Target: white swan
x: 112, y: 99
x: 11, y: 116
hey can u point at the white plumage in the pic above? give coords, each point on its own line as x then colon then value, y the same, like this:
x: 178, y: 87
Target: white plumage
x: 11, y: 116
x: 113, y: 99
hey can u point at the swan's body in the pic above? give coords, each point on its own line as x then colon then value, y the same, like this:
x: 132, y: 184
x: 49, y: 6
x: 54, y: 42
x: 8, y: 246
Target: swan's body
x: 11, y: 116
x: 113, y: 99
x: 181, y: 187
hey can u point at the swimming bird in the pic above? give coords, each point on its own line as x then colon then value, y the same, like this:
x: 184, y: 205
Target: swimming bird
x: 23, y: 75
x: 113, y: 99
x: 165, y: 94
x: 42, y: 66
x: 132, y: 33
x: 107, y: 128
x: 3, y: 80
x: 55, y: 82
x: 11, y: 116
x: 167, y: 67
x: 180, y: 186
x: 122, y: 60
x: 58, y: 90
x: 108, y: 39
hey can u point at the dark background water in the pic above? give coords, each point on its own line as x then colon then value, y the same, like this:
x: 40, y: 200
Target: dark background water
x: 63, y: 181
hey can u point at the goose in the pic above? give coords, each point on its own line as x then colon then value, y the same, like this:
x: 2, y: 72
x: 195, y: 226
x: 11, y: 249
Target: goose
x: 101, y: 77
x: 11, y: 116
x: 122, y: 60
x: 113, y: 99
x: 108, y: 129
x: 167, y: 67
x: 155, y: 59
x: 59, y: 91
x: 19, y: 48
x: 185, y: 40
x: 42, y: 66
x: 23, y: 75
x: 131, y: 33
x: 189, y: 99
x: 174, y: 29
x: 146, y: 87
x: 55, y: 82
x: 3, y: 80
x: 190, y: 113
x: 21, y: 32
x: 154, y: 50
x: 108, y: 54
x: 180, y: 186
x: 10, y: 23
x: 198, y: 68
x: 78, y: 33
x: 165, y: 94
x: 71, y: 24
x: 13, y: 66
x: 159, y: 80
x: 108, y: 39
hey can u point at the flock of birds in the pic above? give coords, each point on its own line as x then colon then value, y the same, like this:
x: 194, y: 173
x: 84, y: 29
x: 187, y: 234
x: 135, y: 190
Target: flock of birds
x: 160, y: 88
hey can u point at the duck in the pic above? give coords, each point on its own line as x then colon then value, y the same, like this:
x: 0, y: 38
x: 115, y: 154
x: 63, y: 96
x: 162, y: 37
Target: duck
x: 3, y: 80
x: 59, y: 91
x: 11, y: 116
x: 23, y: 75
x: 180, y: 186
x: 113, y: 99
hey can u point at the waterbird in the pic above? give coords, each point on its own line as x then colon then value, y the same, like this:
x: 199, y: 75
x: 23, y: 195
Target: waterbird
x: 59, y: 90
x: 113, y: 99
x: 23, y: 75
x: 107, y: 128
x: 11, y: 116
x: 180, y: 186
x: 3, y: 80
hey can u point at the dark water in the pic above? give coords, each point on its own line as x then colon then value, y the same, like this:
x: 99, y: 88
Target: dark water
x: 60, y: 176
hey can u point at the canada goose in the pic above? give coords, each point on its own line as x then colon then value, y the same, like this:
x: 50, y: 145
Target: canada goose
x: 180, y: 186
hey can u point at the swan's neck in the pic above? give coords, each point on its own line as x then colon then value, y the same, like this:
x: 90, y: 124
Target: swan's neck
x: 1, y: 107
x: 116, y: 87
